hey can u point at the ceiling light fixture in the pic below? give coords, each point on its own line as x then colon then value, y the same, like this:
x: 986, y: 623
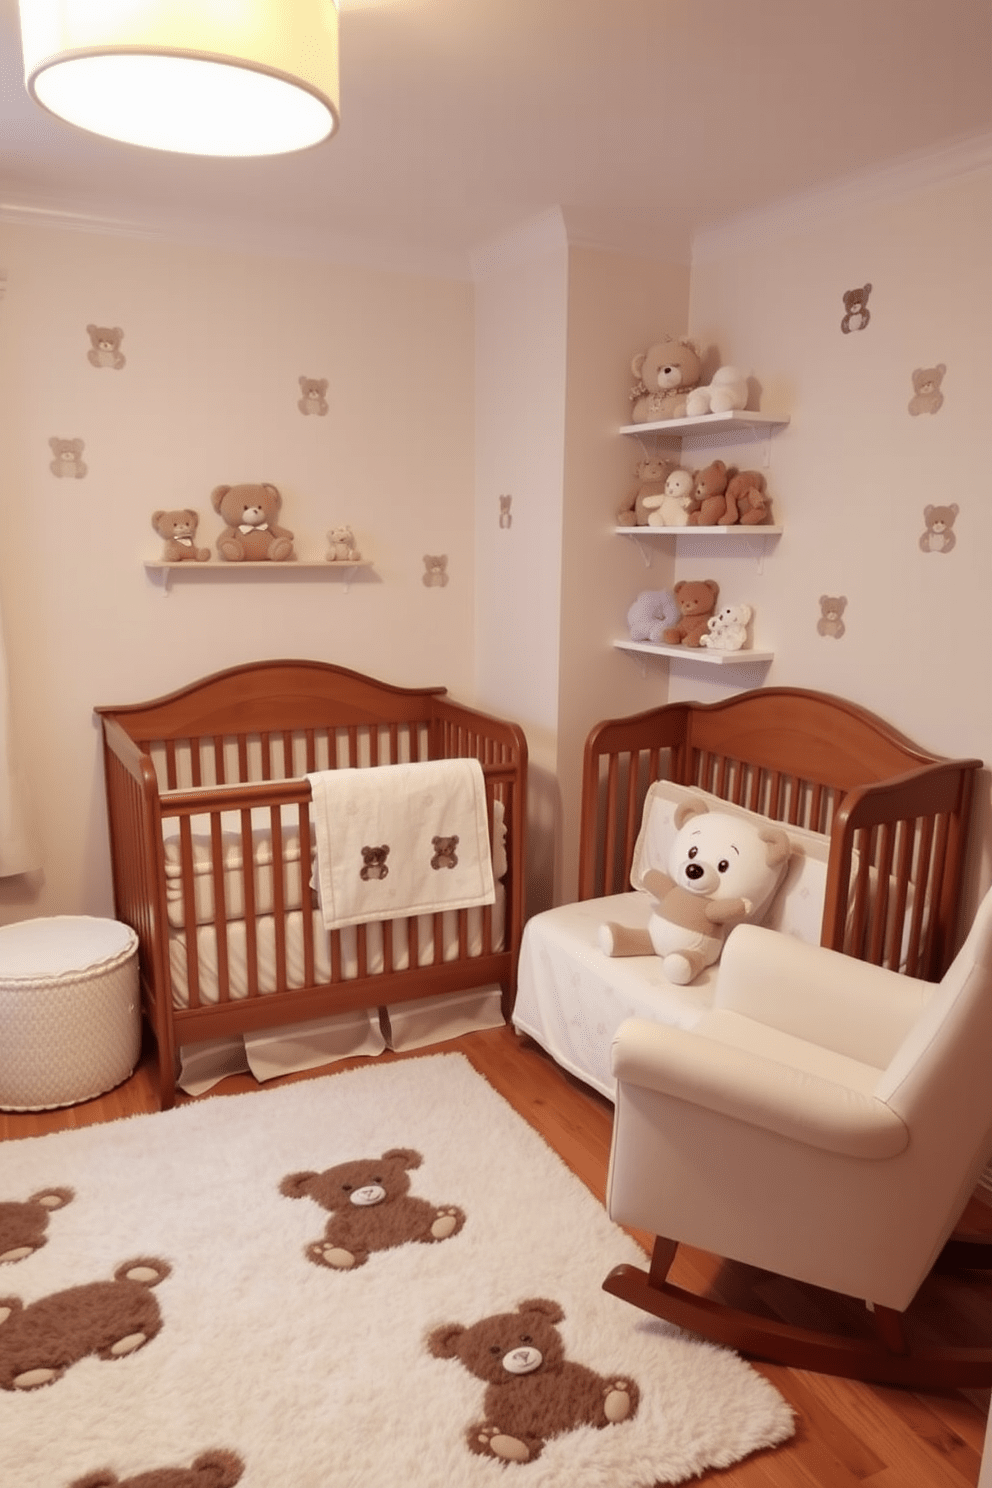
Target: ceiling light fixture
x: 200, y: 77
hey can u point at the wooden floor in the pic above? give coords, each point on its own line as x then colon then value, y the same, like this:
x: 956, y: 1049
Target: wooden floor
x: 848, y: 1436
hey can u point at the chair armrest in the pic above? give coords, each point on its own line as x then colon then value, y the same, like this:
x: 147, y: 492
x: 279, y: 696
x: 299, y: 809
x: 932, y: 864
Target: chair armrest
x: 822, y: 996
x: 746, y: 1087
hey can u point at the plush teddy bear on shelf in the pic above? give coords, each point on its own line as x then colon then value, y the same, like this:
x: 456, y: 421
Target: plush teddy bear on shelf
x: 675, y: 506
x: 726, y: 391
x: 710, y: 493
x: 747, y: 500
x: 251, y: 533
x: 341, y: 546
x: 177, y: 529
x: 696, y: 599
x: 651, y: 614
x: 727, y: 629
x: 666, y: 373
x: 651, y: 474
x: 722, y: 870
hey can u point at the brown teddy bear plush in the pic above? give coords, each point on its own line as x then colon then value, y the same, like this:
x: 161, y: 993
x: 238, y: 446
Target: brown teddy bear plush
x: 371, y: 1209
x: 651, y: 474
x: 710, y: 494
x: 40, y: 1340
x: 747, y: 501
x: 533, y: 1392
x: 178, y: 531
x: 696, y: 599
x: 23, y: 1226
x: 666, y: 373
x: 209, y: 1470
x: 251, y: 534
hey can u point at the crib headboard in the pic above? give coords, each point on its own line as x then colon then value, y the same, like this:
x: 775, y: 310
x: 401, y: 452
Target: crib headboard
x: 896, y: 816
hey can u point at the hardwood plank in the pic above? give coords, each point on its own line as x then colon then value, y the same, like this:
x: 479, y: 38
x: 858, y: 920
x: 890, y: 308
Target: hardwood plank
x: 847, y: 1435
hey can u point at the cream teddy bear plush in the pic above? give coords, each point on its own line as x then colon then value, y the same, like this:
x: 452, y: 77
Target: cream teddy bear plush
x: 665, y: 374
x: 727, y: 629
x: 727, y: 391
x: 722, y: 869
x: 677, y: 502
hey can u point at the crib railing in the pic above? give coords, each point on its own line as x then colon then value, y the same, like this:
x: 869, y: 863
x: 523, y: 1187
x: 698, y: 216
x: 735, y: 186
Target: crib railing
x: 896, y: 818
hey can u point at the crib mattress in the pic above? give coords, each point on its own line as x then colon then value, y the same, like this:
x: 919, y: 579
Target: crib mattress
x: 265, y: 930
x: 572, y: 997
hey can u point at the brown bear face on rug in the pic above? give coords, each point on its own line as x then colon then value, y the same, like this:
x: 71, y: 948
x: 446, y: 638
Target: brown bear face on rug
x: 371, y: 1208
x: 23, y: 1226
x: 210, y: 1470
x: 39, y: 1342
x: 533, y: 1392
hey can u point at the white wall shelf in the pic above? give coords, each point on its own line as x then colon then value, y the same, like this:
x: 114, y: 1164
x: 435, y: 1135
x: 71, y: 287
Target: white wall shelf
x: 751, y: 530
x: 720, y: 425
x: 704, y: 654
x: 164, y: 573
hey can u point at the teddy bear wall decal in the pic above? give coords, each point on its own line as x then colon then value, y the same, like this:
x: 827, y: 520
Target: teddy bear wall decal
x: 105, y: 347
x: 927, y: 396
x: 505, y: 515
x: 209, y: 1470
x: 23, y: 1225
x: 435, y: 574
x: 830, y: 622
x: 370, y: 1209
x: 533, y: 1393
x: 856, y: 312
x: 937, y: 535
x: 40, y: 1340
x: 68, y: 462
x: 313, y: 396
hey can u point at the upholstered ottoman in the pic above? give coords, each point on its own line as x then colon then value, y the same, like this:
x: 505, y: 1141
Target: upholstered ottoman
x: 70, y: 1021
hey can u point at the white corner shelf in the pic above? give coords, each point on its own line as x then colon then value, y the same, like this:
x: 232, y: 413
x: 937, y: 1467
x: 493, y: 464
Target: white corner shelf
x: 753, y: 529
x: 721, y: 425
x: 705, y: 654
x: 163, y: 573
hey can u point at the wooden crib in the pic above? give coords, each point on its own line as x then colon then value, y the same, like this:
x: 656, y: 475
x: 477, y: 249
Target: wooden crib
x: 887, y: 821
x: 210, y: 821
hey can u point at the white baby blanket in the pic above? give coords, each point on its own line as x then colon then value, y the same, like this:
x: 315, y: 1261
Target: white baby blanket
x: 400, y: 840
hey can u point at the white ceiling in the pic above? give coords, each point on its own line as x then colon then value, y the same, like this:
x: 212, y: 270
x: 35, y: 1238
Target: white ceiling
x: 644, y: 121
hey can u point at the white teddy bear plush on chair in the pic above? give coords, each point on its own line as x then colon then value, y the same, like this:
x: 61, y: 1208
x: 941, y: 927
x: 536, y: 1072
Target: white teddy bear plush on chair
x: 722, y: 870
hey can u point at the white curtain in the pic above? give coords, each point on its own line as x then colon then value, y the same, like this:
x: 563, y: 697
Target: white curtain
x: 18, y: 853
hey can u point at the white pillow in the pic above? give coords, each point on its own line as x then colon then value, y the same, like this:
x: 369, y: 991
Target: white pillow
x: 796, y: 908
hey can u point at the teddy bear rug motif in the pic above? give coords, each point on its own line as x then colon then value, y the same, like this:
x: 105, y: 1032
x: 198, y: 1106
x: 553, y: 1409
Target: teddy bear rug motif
x: 375, y: 1277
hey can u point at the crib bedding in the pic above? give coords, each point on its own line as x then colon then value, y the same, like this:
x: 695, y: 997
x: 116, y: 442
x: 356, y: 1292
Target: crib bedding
x: 266, y: 963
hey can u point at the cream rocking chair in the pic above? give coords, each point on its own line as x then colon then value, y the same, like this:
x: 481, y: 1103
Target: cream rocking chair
x: 827, y: 1120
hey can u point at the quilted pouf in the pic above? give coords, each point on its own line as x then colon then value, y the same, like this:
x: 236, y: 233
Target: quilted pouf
x: 70, y: 1022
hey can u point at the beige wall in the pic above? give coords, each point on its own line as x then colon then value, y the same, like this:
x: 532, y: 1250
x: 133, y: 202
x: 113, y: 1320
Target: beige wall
x: 445, y: 396
x: 853, y: 472
x: 215, y: 343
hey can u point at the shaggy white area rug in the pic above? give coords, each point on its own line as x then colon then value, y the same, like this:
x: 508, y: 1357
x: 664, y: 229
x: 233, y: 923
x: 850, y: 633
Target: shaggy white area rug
x: 248, y: 1331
